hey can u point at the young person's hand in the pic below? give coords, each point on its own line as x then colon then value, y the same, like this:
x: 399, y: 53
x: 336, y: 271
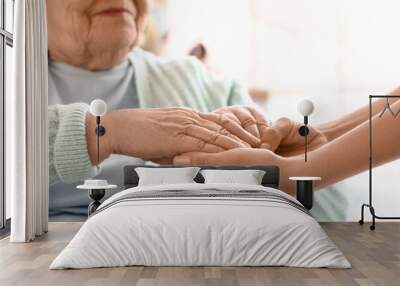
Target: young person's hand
x: 155, y: 134
x: 293, y: 166
x: 236, y: 157
x: 283, y: 138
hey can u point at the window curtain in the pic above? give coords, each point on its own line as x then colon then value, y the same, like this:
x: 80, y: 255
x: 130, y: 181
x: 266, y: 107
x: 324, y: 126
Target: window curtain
x: 26, y: 124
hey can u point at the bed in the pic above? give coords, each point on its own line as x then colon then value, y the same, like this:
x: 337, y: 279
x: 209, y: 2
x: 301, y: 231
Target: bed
x: 201, y: 224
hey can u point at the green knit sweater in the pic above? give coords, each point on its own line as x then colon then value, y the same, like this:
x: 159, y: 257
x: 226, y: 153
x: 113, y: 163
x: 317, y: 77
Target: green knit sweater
x: 159, y: 83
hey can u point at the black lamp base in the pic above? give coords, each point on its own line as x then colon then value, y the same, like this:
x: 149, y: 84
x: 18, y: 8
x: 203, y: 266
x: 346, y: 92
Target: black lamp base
x: 100, y: 130
x: 305, y: 193
x: 304, y: 130
x: 96, y: 196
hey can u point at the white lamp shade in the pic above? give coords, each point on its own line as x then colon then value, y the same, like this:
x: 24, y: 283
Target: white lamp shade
x: 305, y: 107
x: 98, y: 107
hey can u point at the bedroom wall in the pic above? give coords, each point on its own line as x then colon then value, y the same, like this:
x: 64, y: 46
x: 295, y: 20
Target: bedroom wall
x: 334, y: 52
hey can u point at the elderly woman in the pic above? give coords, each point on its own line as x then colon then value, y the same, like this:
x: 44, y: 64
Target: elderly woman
x: 92, y: 55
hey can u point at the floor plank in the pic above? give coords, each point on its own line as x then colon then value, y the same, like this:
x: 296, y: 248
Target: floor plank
x: 375, y: 257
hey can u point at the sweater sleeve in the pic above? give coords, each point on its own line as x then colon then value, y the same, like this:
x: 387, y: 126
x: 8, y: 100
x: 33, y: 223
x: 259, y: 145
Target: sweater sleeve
x: 239, y: 95
x: 68, y: 155
x: 231, y: 91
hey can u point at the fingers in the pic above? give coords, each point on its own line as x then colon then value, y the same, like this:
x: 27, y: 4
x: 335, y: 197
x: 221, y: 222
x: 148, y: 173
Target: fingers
x: 247, y: 120
x: 197, y: 158
x: 270, y: 139
x: 163, y: 161
x: 201, y: 159
x: 244, y: 156
x: 195, y: 144
x: 285, y: 128
x: 209, y: 137
x: 208, y: 147
x: 276, y: 135
x: 217, y: 128
x: 233, y: 125
x: 262, y: 124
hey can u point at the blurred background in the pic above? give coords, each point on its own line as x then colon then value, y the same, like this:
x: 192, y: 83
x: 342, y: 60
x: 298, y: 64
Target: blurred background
x: 335, y: 53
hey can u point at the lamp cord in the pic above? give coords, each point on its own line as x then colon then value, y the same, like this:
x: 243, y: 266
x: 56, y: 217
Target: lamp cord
x: 98, y: 140
x: 305, y: 146
x: 98, y: 145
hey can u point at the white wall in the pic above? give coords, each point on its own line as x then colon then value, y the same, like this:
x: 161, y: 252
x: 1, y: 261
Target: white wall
x: 335, y: 52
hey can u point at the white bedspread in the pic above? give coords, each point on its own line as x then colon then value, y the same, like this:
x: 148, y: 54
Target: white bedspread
x: 200, y: 231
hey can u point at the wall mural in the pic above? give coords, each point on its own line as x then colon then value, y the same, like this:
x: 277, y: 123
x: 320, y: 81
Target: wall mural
x: 220, y: 83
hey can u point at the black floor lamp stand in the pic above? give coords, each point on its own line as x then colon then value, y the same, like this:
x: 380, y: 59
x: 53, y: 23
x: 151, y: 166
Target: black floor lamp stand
x: 370, y: 204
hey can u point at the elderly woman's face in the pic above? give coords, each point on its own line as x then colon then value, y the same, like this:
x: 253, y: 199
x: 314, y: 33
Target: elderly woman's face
x: 95, y: 34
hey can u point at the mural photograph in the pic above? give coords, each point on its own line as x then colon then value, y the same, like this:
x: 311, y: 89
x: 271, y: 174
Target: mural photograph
x: 181, y: 90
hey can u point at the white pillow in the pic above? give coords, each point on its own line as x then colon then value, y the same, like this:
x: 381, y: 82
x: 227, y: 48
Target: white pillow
x: 243, y: 177
x: 166, y: 176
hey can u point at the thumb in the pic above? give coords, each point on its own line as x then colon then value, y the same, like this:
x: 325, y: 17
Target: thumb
x: 273, y: 136
x: 201, y: 159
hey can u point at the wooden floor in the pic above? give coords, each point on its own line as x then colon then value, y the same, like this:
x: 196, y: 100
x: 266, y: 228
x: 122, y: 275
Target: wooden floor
x: 375, y: 257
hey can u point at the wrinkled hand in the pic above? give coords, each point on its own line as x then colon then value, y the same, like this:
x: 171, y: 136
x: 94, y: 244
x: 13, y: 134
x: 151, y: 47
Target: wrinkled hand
x: 247, y: 123
x: 155, y: 134
x: 284, y: 138
x: 252, y: 127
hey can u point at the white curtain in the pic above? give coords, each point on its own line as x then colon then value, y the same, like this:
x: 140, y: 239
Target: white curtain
x: 26, y: 130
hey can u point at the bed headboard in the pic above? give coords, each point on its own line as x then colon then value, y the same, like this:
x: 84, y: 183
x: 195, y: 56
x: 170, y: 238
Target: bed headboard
x: 271, y: 177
